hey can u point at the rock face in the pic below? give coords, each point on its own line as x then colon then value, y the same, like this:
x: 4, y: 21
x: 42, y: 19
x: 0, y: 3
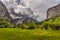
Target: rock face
x: 6, y: 15
x: 23, y: 20
x: 53, y: 11
x: 3, y: 12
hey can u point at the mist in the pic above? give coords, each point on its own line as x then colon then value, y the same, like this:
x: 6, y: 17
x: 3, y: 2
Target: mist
x: 36, y: 9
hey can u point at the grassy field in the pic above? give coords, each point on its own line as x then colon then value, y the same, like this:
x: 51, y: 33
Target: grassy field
x: 23, y: 34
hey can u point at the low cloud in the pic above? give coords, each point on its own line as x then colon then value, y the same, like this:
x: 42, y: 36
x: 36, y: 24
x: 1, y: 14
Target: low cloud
x: 39, y: 7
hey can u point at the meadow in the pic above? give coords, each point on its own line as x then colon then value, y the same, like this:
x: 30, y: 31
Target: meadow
x: 24, y: 34
x: 45, y: 30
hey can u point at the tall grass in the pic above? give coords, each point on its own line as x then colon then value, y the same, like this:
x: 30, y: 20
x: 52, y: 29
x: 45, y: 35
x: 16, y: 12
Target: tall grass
x: 24, y: 34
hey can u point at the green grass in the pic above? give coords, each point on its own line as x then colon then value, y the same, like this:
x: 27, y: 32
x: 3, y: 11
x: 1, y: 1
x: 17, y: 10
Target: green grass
x: 23, y: 34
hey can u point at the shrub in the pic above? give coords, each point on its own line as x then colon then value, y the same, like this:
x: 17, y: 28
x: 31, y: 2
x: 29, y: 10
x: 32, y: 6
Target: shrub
x: 5, y: 24
x: 43, y: 25
x: 31, y: 25
x: 23, y: 26
x: 54, y: 24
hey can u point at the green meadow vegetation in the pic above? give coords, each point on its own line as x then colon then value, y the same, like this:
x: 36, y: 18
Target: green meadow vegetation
x: 24, y: 34
x: 45, y: 30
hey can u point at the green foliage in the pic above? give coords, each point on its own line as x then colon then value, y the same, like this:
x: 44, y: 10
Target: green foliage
x: 5, y: 24
x: 23, y: 26
x: 54, y: 23
x: 23, y: 34
x: 47, y: 24
x: 43, y: 25
x: 51, y: 24
x: 31, y: 25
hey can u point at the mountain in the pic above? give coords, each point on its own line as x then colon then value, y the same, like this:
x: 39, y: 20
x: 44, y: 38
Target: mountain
x: 4, y: 12
x: 37, y: 7
x: 19, y: 11
x: 53, y: 11
x: 6, y: 15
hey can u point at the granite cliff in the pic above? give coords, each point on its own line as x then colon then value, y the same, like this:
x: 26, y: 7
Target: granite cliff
x: 6, y: 15
x: 53, y: 11
x: 25, y: 14
x: 4, y: 12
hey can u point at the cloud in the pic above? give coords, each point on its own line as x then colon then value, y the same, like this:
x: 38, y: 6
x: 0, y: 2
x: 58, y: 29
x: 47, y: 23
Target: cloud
x: 39, y: 7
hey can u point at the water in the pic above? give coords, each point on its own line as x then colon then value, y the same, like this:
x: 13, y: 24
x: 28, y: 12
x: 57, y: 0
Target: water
x: 36, y: 9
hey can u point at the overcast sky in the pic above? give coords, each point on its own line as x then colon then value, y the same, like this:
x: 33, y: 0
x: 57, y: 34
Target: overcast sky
x: 39, y: 7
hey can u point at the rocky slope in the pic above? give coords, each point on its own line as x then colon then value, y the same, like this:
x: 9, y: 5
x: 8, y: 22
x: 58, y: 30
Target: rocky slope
x: 53, y: 11
x: 4, y: 12
x: 6, y: 15
x: 20, y: 13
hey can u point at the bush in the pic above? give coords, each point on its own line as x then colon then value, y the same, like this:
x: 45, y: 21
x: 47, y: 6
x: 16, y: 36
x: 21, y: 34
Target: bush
x: 31, y: 25
x: 43, y: 25
x: 54, y: 24
x: 51, y: 24
x: 23, y: 26
x: 5, y: 24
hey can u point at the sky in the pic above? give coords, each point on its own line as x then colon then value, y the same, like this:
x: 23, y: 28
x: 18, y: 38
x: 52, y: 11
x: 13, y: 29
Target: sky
x: 39, y: 7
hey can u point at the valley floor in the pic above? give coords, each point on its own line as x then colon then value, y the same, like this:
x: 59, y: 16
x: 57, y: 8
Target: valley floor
x: 23, y: 34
